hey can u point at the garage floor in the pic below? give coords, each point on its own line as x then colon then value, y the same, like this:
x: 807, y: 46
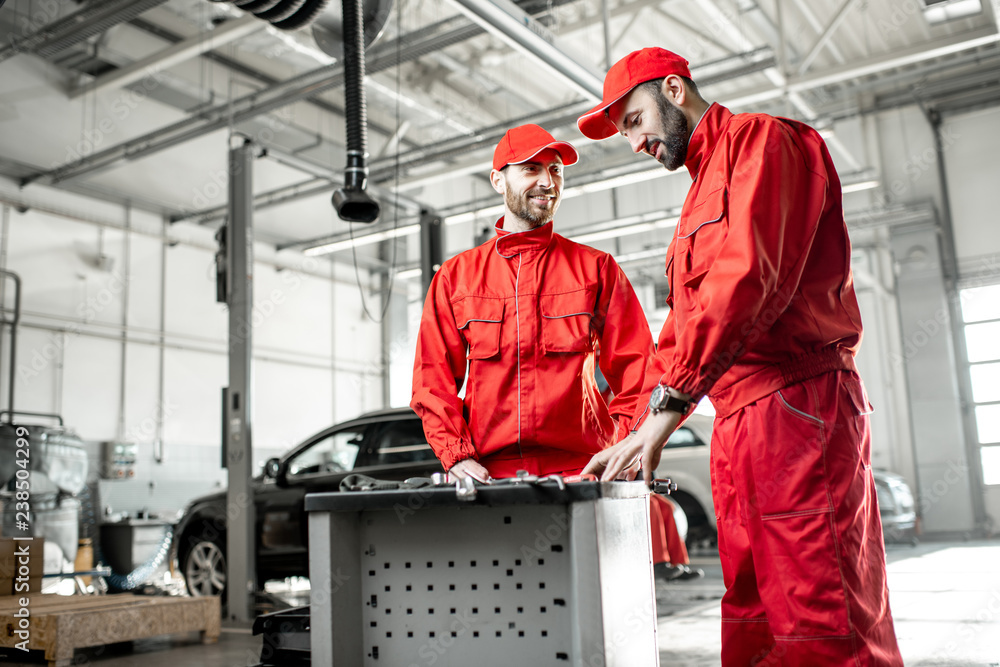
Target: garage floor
x: 945, y: 598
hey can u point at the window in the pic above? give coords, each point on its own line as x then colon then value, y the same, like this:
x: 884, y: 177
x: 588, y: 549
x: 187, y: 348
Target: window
x: 684, y: 437
x: 335, y: 453
x: 981, y: 313
x: 402, y: 442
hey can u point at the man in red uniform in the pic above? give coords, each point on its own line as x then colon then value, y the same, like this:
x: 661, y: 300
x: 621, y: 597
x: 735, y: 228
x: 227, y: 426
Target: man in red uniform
x: 765, y: 322
x: 519, y: 321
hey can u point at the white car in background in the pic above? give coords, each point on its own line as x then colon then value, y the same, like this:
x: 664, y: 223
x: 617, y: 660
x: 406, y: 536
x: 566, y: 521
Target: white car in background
x: 685, y: 460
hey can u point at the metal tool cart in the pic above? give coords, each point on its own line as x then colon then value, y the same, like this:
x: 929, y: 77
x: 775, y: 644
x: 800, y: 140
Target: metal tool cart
x: 521, y: 572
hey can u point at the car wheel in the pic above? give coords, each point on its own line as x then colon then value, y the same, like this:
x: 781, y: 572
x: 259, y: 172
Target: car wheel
x: 204, y: 568
x: 699, y: 530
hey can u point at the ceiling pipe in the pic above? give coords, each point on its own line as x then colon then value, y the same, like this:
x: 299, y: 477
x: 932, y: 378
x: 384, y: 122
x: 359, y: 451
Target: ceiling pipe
x: 507, y: 21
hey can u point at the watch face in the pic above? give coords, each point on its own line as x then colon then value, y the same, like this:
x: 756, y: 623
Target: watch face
x: 656, y: 398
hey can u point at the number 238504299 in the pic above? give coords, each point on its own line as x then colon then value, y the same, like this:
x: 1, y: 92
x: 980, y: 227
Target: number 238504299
x: 22, y: 484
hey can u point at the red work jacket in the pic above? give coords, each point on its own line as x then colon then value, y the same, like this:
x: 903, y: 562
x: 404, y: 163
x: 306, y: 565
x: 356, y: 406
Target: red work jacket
x: 519, y: 321
x: 761, y: 290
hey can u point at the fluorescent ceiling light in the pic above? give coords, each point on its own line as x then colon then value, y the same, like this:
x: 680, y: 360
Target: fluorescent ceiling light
x: 409, y: 274
x: 568, y: 193
x: 859, y: 186
x: 939, y: 12
x: 616, y: 181
x: 640, y: 255
x: 359, y: 241
x: 624, y: 230
x: 490, y: 212
x: 623, y: 227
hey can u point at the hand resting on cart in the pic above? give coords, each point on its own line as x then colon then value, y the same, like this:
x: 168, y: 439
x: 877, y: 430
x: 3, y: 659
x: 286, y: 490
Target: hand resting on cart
x: 470, y: 468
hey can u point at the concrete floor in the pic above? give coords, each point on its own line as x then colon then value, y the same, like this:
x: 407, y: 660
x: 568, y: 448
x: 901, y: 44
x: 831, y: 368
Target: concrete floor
x: 945, y: 598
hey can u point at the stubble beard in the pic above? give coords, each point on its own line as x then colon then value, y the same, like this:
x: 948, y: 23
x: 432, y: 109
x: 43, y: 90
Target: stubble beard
x: 676, y: 133
x: 520, y: 206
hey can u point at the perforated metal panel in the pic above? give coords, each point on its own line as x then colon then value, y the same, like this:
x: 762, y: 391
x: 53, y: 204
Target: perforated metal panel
x: 415, y: 582
x: 457, y: 582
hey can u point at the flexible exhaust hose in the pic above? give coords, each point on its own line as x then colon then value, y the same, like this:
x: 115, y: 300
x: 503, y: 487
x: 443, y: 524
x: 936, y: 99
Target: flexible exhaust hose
x: 352, y: 202
x: 356, y: 174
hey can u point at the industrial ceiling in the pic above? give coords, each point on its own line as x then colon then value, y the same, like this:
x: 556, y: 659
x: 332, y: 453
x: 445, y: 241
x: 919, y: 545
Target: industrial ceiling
x: 135, y: 101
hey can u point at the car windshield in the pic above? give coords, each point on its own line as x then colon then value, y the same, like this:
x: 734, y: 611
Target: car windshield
x: 335, y: 453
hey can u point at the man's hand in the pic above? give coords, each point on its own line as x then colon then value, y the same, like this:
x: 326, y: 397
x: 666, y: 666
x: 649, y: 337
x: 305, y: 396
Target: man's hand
x: 600, y: 461
x: 645, y: 445
x: 470, y: 468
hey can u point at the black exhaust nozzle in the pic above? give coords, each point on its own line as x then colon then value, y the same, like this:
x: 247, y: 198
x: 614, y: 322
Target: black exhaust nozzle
x: 351, y: 201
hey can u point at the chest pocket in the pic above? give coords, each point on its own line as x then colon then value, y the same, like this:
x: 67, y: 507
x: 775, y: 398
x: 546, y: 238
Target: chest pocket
x: 566, y: 321
x: 699, y: 239
x: 480, y: 320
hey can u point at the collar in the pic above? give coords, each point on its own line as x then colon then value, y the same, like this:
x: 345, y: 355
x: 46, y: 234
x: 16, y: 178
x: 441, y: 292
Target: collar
x: 512, y: 243
x: 705, y: 136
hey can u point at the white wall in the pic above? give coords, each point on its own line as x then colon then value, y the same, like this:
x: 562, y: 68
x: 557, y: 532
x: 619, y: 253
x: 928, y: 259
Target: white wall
x: 972, y: 144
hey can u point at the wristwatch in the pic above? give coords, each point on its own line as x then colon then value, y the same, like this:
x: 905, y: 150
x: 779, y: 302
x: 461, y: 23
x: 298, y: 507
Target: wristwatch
x: 661, y: 400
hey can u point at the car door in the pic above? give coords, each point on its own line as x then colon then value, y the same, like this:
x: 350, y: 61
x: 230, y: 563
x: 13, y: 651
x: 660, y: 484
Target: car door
x: 281, y: 518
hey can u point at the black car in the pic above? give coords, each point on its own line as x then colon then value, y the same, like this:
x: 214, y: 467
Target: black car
x: 387, y: 444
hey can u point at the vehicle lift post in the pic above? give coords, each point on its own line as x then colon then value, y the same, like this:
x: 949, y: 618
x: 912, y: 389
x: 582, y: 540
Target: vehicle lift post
x: 241, y: 575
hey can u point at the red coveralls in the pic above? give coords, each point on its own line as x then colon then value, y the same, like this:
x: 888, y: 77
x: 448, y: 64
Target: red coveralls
x: 764, y: 320
x: 668, y: 547
x: 526, y: 313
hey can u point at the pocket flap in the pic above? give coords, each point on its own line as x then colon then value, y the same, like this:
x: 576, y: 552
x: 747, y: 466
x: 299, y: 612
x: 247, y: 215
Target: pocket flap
x: 480, y: 319
x: 568, y: 304
x: 859, y: 397
x: 710, y: 211
x: 566, y: 321
x: 477, y: 309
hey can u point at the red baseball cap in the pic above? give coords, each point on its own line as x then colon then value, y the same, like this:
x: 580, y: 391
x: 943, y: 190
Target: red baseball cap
x: 524, y: 142
x: 635, y: 68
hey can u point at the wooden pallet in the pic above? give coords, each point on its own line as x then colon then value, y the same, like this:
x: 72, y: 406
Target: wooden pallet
x: 59, y: 624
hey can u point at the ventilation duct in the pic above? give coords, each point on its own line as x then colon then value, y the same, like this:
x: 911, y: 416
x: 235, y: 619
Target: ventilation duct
x: 352, y: 203
x: 326, y: 21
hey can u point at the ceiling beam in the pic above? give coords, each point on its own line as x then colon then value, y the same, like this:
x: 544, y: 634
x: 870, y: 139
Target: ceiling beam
x: 256, y: 75
x: 825, y: 36
x: 189, y: 48
x: 935, y: 49
x: 93, y: 19
x: 406, y: 47
x: 995, y: 6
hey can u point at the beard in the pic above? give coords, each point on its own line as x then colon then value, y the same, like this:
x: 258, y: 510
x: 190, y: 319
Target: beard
x: 676, y: 133
x: 519, y: 204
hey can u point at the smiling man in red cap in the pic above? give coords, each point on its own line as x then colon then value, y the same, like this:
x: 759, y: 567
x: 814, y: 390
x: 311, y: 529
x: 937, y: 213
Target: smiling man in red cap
x: 519, y: 321
x: 764, y: 321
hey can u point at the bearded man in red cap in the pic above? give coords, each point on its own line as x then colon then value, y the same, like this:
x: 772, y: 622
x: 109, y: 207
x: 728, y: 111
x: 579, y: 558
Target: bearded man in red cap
x: 519, y: 321
x: 764, y: 321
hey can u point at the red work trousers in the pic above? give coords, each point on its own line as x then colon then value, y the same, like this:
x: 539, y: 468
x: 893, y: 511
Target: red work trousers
x: 668, y: 547
x: 800, y: 538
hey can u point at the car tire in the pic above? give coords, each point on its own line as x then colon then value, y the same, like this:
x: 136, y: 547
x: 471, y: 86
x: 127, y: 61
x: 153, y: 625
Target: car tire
x: 204, y: 567
x: 699, y: 531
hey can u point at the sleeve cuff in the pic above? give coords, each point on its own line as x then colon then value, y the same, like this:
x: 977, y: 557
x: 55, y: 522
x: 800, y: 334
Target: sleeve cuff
x: 685, y: 381
x: 457, y: 450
